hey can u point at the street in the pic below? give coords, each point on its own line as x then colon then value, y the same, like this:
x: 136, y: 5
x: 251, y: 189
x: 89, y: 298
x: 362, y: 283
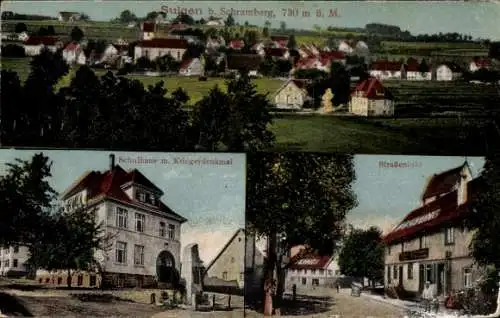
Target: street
x: 327, y: 303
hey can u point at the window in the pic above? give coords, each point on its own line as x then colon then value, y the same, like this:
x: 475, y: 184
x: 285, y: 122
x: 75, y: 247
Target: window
x: 322, y: 272
x: 242, y: 276
x: 315, y: 282
x: 121, y: 252
x: 232, y: 260
x: 389, y: 274
x: 410, y: 271
x: 140, y: 196
x: 224, y: 275
x: 304, y: 280
x: 449, y: 236
x: 14, y: 263
x: 16, y: 249
x: 388, y: 250
x: 140, y: 219
x: 92, y: 280
x: 59, y: 280
x: 467, y: 277
x: 395, y: 272
x: 121, y: 218
x: 402, y: 247
x: 178, y: 55
x: 422, y: 241
x: 79, y: 280
x: 330, y: 272
x: 313, y: 271
x: 163, y: 229
x: 138, y: 255
x: 7, y: 263
x: 337, y: 272
x: 171, y: 231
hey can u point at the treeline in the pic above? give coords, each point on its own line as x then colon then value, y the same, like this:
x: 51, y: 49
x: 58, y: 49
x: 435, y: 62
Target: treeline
x: 9, y: 15
x: 114, y: 112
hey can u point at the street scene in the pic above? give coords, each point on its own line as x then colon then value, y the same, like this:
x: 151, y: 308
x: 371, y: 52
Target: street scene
x: 406, y: 236
x: 134, y: 234
x: 319, y: 76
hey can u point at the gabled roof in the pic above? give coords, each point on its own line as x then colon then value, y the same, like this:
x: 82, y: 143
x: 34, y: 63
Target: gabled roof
x: 164, y: 43
x: 41, y: 40
x: 237, y: 44
x: 372, y: 88
x: 235, y: 235
x: 109, y: 184
x: 309, y: 260
x: 72, y: 46
x: 433, y: 215
x: 443, y: 182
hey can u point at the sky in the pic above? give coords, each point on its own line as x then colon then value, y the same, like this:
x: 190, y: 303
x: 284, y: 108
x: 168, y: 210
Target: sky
x: 211, y: 197
x: 479, y: 19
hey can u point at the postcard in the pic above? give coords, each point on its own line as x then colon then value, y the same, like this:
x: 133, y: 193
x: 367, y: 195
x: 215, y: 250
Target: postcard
x: 148, y: 227
x: 399, y: 77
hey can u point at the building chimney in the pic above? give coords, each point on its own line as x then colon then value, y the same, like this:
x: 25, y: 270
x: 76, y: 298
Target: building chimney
x: 111, y: 161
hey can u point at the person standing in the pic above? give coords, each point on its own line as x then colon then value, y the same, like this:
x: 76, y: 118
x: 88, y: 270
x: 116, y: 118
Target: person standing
x: 428, y: 296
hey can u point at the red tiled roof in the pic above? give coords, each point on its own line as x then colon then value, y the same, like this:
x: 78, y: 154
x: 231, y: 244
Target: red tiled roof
x: 446, y: 208
x: 185, y: 64
x: 109, y: 185
x: 237, y: 44
x: 481, y: 63
x: 442, y: 182
x: 165, y: 43
x: 148, y: 27
x: 72, y: 46
x: 38, y: 40
x: 310, y: 261
x: 386, y: 66
x: 372, y: 88
x: 412, y: 66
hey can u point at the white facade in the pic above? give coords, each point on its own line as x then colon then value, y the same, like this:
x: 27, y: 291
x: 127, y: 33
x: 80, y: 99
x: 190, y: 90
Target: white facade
x: 418, y: 76
x: 363, y: 106
x: 345, y: 47
x: 444, y: 73
x: 34, y: 50
x: 153, y: 52
x: 308, y: 278
x: 12, y: 260
x: 290, y: 96
x: 194, y: 68
x: 385, y: 75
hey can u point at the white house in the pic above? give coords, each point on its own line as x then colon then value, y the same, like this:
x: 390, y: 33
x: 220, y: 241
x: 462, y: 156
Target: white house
x: 371, y: 98
x: 34, y: 44
x: 386, y: 70
x: 73, y: 54
x: 361, y: 48
x: 12, y: 261
x: 448, y: 72
x: 23, y: 36
x: 155, y: 48
x: 291, y: 95
x: 191, y: 67
x: 145, y: 232
x: 411, y: 71
x: 477, y: 64
x: 308, y: 270
x: 345, y: 47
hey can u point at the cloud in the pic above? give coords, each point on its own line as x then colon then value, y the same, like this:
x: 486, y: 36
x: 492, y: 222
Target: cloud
x: 210, y: 243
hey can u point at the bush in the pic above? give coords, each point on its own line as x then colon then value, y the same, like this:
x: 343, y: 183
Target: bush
x: 13, y: 50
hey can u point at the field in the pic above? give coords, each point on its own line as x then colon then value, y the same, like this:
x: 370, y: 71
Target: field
x: 409, y: 136
x: 194, y: 88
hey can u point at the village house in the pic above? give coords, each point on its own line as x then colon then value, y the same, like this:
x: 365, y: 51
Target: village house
x: 309, y: 270
x: 213, y: 44
x: 386, y: 70
x: 229, y: 264
x: 145, y: 232
x: 411, y: 71
x: 321, y: 61
x: 448, y: 72
x: 371, y: 98
x: 12, y: 261
x: 191, y: 67
x: 155, y: 48
x: 113, y: 52
x: 23, y: 36
x: 69, y: 16
x: 148, y: 30
x: 275, y: 53
x: 292, y: 95
x: 431, y: 242
x: 247, y: 62
x: 345, y: 46
x: 281, y: 41
x: 34, y: 44
x: 236, y: 44
x: 73, y: 54
x: 477, y: 64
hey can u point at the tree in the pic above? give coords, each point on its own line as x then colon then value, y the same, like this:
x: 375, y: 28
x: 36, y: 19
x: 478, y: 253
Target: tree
x: 485, y: 221
x: 230, y: 21
x: 292, y: 43
x: 265, y: 32
x: 73, y: 238
x: 240, y: 125
x: 184, y: 18
x: 423, y: 67
x: 283, y: 25
x: 43, y: 31
x: 267, y: 24
x: 51, y: 30
x: 362, y: 254
x: 20, y: 27
x: 25, y: 200
x: 127, y: 16
x: 13, y: 50
x: 84, y: 17
x: 303, y: 197
x: 76, y: 34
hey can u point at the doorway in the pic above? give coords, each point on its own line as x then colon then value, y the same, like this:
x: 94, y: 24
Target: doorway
x: 165, y: 269
x: 400, y: 275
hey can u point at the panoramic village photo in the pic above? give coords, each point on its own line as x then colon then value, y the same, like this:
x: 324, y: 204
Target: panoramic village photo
x: 277, y: 76
x: 372, y: 235
x: 105, y: 234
